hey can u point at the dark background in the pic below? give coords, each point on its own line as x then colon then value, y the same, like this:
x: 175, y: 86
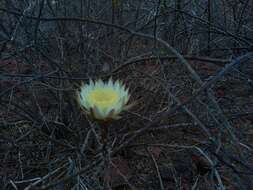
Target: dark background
x: 188, y: 65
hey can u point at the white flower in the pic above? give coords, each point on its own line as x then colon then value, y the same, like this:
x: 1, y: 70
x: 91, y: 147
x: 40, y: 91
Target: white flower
x: 103, y: 100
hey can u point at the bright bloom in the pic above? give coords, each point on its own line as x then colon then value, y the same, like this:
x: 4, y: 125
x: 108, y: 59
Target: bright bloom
x: 103, y: 100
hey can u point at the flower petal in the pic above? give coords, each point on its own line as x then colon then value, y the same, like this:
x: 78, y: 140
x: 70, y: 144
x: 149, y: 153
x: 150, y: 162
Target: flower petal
x: 97, y: 101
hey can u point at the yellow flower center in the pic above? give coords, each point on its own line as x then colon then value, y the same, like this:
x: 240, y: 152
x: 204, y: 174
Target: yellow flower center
x: 103, y: 97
